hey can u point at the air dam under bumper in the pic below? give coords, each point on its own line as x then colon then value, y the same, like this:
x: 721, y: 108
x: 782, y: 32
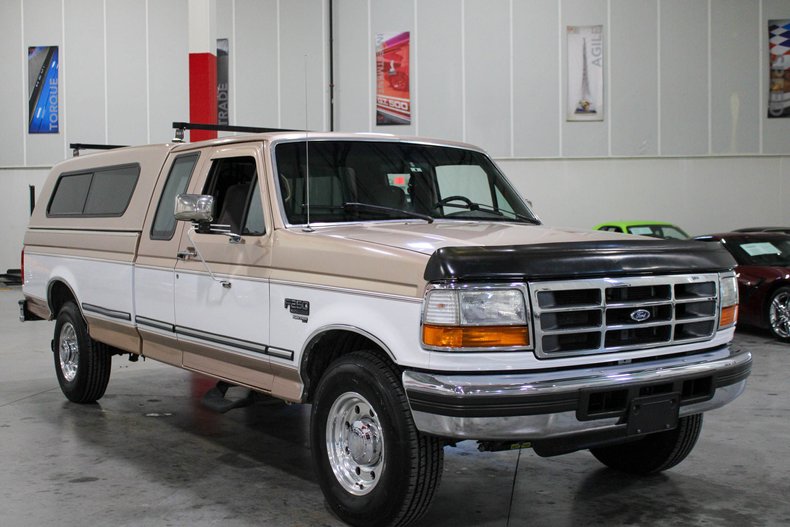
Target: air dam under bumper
x: 591, y: 402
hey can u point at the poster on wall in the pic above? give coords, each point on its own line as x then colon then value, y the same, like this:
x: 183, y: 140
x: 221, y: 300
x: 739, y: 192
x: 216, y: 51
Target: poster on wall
x: 779, y: 67
x: 42, y: 82
x: 585, y: 73
x: 223, y: 92
x: 393, y: 100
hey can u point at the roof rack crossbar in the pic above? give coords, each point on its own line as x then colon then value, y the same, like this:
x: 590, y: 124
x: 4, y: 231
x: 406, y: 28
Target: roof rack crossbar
x: 76, y: 147
x: 227, y: 128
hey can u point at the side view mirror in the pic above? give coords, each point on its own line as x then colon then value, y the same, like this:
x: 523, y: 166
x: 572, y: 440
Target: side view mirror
x: 194, y: 207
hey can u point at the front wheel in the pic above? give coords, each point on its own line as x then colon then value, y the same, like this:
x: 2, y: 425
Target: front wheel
x: 655, y: 452
x: 779, y: 313
x: 81, y: 364
x: 374, y: 466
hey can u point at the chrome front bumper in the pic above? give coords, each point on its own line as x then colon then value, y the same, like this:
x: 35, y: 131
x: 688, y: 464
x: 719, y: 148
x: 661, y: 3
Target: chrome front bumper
x: 556, y: 404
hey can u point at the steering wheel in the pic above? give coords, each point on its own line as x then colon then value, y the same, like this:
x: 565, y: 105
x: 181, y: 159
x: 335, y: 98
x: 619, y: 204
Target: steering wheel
x: 448, y: 199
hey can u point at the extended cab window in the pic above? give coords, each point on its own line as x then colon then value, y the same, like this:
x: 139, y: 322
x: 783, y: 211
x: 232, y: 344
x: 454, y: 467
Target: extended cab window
x: 177, y: 180
x: 233, y: 181
x: 101, y: 192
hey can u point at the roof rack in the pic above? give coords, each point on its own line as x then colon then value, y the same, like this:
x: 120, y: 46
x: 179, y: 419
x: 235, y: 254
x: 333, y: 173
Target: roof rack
x: 181, y: 126
x: 76, y: 147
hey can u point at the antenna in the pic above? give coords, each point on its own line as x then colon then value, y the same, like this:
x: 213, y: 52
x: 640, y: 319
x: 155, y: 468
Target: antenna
x: 307, y: 227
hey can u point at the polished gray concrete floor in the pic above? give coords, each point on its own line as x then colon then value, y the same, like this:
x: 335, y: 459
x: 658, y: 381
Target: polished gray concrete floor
x: 150, y: 454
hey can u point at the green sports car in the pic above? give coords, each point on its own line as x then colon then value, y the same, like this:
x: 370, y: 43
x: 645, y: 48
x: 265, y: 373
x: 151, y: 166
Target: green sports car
x: 656, y: 229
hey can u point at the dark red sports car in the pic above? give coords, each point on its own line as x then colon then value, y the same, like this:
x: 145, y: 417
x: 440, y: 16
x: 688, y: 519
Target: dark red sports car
x: 763, y: 278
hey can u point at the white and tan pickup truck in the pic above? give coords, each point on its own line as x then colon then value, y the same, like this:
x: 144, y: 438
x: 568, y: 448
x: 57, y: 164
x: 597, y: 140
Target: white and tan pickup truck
x: 401, y: 286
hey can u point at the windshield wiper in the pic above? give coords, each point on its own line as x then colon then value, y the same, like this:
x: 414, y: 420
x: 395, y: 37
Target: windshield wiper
x: 488, y: 208
x: 354, y: 206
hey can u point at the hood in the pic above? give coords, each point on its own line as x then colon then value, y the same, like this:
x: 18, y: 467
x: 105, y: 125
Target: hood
x: 427, y: 238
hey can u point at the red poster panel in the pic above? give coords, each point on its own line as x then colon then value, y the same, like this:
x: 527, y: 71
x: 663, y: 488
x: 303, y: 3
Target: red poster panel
x: 393, y: 99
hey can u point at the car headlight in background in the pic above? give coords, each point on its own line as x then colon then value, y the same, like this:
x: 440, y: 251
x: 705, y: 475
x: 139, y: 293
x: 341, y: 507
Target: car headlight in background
x: 728, y: 300
x: 475, y: 317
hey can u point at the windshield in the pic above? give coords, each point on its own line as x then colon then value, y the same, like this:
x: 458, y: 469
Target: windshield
x: 659, y: 231
x: 766, y: 252
x: 382, y: 180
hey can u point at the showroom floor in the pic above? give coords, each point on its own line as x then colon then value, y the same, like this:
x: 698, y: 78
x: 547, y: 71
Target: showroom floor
x: 150, y: 454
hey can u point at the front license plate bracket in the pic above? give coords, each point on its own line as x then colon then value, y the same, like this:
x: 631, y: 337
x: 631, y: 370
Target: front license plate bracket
x: 653, y: 413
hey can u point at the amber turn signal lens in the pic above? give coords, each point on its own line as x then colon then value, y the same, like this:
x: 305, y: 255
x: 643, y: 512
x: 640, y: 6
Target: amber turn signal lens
x: 729, y: 316
x: 475, y: 336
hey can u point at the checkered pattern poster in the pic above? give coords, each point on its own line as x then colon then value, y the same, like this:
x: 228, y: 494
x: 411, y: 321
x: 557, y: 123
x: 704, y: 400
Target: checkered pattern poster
x: 779, y: 62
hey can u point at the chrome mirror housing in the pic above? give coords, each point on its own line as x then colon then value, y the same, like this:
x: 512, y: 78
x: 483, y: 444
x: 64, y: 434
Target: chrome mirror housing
x: 194, y: 207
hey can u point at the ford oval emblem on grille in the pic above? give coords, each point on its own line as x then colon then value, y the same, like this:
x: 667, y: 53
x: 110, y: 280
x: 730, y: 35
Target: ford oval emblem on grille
x: 640, y: 315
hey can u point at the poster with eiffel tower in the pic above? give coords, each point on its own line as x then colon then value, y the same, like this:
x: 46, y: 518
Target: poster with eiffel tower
x: 585, y: 73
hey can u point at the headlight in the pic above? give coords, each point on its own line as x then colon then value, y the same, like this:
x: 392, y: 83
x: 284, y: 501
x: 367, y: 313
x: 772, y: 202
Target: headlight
x: 728, y: 300
x: 475, y: 317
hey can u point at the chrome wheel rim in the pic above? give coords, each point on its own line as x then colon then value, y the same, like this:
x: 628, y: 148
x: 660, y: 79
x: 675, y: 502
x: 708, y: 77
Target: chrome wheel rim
x: 780, y: 315
x: 69, y: 351
x: 355, y: 443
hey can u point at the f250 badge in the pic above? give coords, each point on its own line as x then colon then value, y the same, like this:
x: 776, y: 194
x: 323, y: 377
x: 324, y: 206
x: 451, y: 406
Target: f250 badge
x: 300, y: 309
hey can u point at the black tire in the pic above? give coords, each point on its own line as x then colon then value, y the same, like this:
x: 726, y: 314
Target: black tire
x: 655, y: 452
x: 778, y: 314
x: 81, y: 364
x: 375, y: 434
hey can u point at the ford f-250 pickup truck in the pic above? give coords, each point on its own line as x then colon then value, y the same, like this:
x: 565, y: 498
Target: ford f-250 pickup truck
x: 401, y: 286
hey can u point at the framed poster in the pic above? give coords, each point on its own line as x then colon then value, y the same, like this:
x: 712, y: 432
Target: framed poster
x: 779, y: 67
x: 42, y: 86
x: 585, y: 73
x: 393, y: 99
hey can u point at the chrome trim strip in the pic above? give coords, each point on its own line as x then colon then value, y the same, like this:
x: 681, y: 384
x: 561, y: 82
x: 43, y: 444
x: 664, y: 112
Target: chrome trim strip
x: 244, y: 345
x: 280, y: 353
x: 110, y: 313
x: 164, y: 326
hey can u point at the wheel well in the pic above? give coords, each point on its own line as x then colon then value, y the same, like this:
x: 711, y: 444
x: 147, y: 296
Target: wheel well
x: 326, y: 348
x: 59, y: 294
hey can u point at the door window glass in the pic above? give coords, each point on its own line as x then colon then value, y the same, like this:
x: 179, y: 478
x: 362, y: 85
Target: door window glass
x: 165, y: 222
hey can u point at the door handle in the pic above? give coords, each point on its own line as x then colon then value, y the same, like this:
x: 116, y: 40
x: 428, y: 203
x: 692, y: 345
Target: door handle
x: 187, y: 254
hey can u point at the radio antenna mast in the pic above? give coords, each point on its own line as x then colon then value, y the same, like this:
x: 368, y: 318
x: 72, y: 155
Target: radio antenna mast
x: 307, y: 227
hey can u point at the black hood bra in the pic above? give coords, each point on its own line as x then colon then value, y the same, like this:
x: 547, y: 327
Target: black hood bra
x: 570, y: 260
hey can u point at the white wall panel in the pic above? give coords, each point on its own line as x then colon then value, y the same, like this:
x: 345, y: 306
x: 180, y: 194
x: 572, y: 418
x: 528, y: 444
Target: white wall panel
x: 257, y: 95
x: 353, y: 58
x: 776, y: 132
x: 13, y: 98
x: 127, y: 107
x: 536, y: 82
x: 225, y: 29
x: 735, y: 81
x: 440, y: 69
x: 303, y: 31
x: 43, y: 26
x: 585, y: 138
x: 395, y: 17
x: 16, y: 212
x: 487, y: 75
x: 84, y: 57
x: 634, y: 74
x: 168, y: 67
x: 701, y: 194
x: 684, y: 77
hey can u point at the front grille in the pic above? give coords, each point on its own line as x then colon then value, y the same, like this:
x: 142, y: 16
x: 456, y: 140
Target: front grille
x: 582, y: 317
